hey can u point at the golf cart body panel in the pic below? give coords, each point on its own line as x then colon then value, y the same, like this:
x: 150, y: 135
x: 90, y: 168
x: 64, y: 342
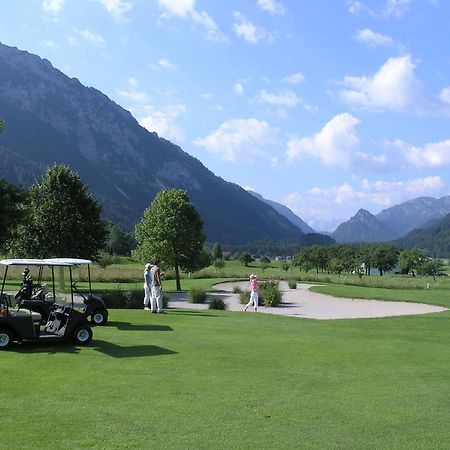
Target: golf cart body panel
x: 35, y: 318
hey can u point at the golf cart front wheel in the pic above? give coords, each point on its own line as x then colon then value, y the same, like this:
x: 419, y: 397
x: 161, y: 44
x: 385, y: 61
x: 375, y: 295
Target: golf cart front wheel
x: 82, y: 335
x: 6, y: 338
x: 99, y: 317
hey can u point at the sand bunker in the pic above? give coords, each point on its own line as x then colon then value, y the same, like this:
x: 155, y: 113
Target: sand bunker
x: 301, y: 302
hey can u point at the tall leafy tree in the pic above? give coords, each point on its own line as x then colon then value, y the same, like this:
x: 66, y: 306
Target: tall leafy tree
x: 63, y: 218
x: 172, y: 230
x: 216, y: 252
x: 118, y: 242
x: 11, y: 209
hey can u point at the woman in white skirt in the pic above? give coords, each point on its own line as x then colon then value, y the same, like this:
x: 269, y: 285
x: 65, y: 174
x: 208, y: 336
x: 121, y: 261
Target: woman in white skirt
x: 254, y: 284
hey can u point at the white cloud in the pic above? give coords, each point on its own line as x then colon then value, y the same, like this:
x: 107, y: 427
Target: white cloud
x: 373, y: 38
x: 393, y: 87
x: 52, y: 6
x: 238, y: 139
x: 295, y: 78
x: 444, y: 95
x: 249, y: 31
x: 334, y: 145
x: 381, y: 193
x: 132, y: 93
x: 117, y: 8
x: 166, y: 64
x: 392, y: 8
x: 91, y: 37
x: 162, y: 122
x: 185, y: 9
x: 432, y: 155
x: 272, y: 6
x: 287, y: 99
x: 238, y: 89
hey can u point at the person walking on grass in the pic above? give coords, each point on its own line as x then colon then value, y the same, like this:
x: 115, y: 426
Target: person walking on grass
x: 156, y: 300
x: 254, y: 285
x: 147, y: 286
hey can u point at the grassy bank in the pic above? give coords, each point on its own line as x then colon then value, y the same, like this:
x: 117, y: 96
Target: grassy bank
x: 221, y: 380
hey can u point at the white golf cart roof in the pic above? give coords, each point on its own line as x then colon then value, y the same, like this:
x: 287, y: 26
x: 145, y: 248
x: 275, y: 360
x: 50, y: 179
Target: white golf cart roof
x: 59, y: 262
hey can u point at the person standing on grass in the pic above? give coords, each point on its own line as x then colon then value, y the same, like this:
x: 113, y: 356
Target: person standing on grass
x: 156, y: 288
x: 147, y: 286
x: 253, y: 284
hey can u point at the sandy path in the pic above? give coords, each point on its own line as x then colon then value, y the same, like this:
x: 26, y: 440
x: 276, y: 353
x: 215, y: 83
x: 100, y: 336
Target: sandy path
x: 301, y: 302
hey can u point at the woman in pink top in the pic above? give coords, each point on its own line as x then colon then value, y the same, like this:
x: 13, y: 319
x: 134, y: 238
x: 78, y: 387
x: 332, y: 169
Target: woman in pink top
x: 254, y: 284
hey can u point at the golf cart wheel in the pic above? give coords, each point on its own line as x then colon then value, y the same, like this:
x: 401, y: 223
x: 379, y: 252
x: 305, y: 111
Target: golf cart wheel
x: 99, y: 317
x: 82, y: 335
x: 6, y: 338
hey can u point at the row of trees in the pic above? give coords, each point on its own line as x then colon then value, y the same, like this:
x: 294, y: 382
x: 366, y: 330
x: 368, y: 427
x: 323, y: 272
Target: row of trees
x: 362, y: 258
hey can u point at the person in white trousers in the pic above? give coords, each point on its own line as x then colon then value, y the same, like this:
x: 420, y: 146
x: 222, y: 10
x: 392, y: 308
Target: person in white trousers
x: 156, y: 300
x: 147, y: 286
x: 254, y: 284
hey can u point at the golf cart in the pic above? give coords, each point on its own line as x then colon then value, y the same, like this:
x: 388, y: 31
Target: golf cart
x: 65, y: 320
x: 36, y: 296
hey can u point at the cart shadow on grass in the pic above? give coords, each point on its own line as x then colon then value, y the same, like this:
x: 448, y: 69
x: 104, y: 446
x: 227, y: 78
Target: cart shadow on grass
x: 128, y: 326
x: 107, y: 348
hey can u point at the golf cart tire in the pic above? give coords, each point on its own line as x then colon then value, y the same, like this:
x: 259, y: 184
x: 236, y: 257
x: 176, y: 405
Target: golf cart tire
x: 99, y: 317
x: 82, y: 335
x: 6, y: 338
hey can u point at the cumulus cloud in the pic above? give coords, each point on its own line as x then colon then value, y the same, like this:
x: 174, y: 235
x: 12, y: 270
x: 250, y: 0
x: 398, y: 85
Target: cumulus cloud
x: 52, y: 6
x: 287, y: 99
x: 434, y: 155
x: 272, y: 6
x: 185, y: 9
x: 238, y: 139
x: 117, y: 8
x: 162, y: 121
x: 393, y: 87
x: 249, y: 31
x: 334, y: 145
x: 166, y: 64
x: 133, y: 93
x: 295, y: 78
x: 372, y: 38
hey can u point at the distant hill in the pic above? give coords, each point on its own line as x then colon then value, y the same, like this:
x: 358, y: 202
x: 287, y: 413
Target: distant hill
x: 434, y: 239
x: 414, y: 213
x: 50, y: 118
x: 363, y: 227
x: 286, y: 212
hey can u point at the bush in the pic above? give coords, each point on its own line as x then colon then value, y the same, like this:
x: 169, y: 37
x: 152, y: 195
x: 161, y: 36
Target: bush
x: 292, y: 284
x: 196, y: 295
x: 237, y: 290
x: 269, y: 294
x: 128, y: 299
x: 244, y: 297
x: 217, y: 303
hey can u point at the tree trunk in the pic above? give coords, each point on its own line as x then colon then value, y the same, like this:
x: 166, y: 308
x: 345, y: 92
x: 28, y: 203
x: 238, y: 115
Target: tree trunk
x: 177, y: 277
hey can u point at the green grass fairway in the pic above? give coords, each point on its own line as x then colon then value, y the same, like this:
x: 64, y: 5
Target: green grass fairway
x: 224, y: 380
x: 435, y: 296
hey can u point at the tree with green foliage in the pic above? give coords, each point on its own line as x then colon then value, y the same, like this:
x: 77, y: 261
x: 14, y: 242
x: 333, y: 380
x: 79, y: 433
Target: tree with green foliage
x: 265, y: 260
x: 430, y: 267
x: 2, y: 125
x: 385, y: 257
x: 172, y: 230
x: 216, y: 252
x: 219, y: 263
x: 285, y: 265
x: 12, y: 200
x: 118, y: 242
x: 63, y: 219
x: 411, y: 259
x: 246, y: 258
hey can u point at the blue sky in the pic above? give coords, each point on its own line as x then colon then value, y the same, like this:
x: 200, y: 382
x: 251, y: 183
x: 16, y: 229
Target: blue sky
x: 325, y: 106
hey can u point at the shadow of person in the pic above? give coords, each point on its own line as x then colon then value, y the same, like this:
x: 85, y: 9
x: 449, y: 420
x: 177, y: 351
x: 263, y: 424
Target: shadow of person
x: 129, y: 351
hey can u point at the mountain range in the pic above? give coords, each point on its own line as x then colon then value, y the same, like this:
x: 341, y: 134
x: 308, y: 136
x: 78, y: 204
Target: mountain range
x: 51, y: 118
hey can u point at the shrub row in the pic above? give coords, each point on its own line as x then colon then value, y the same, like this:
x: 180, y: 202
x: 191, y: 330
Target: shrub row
x: 127, y: 299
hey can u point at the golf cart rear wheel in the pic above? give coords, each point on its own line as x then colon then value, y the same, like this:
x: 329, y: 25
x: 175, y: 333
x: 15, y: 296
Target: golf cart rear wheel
x: 82, y: 335
x: 6, y: 338
x: 99, y: 317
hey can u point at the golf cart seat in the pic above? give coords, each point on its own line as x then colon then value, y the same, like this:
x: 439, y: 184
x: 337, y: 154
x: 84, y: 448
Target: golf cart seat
x: 26, y: 312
